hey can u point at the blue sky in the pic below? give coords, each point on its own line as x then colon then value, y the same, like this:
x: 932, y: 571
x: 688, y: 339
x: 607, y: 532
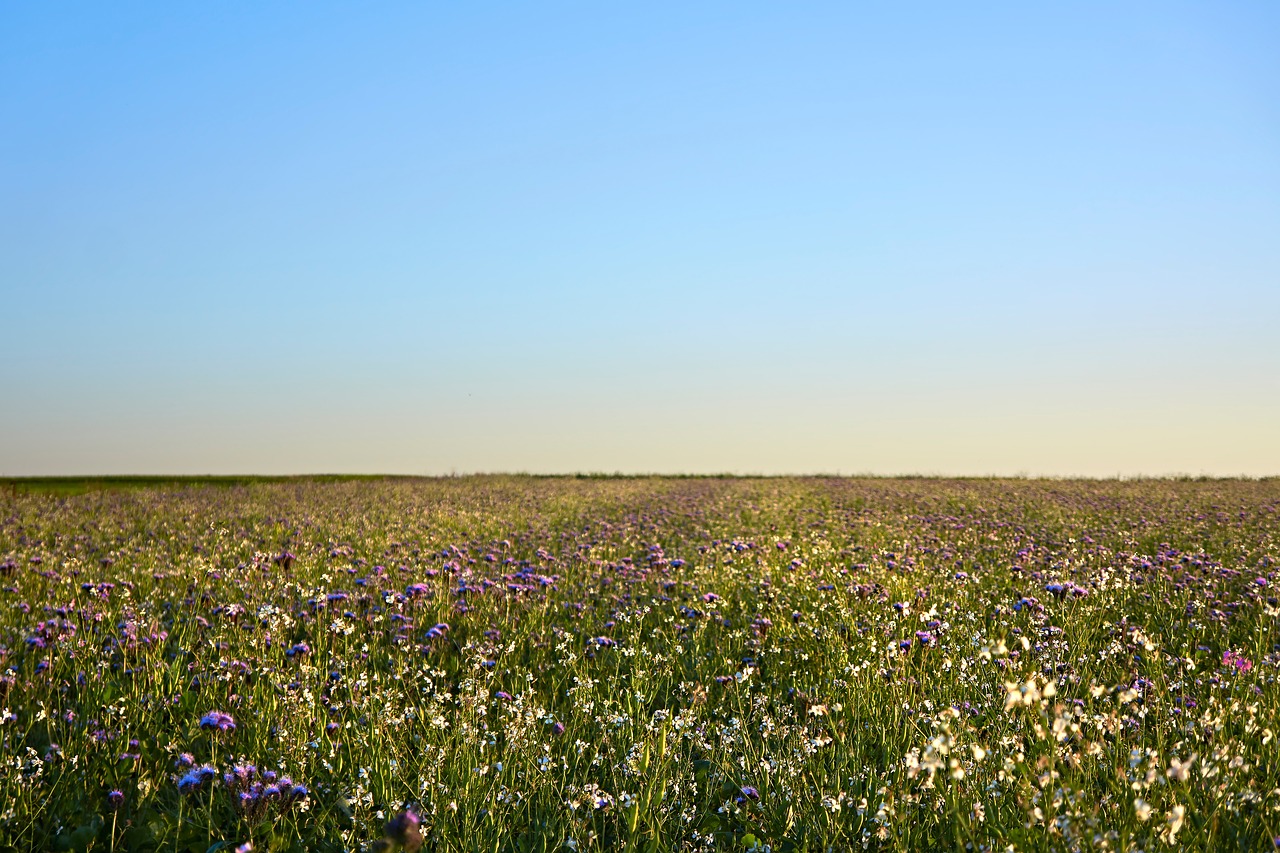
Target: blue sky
x: 560, y: 237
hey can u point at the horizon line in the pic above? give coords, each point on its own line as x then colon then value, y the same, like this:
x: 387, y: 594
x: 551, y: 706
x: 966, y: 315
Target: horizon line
x: 622, y: 475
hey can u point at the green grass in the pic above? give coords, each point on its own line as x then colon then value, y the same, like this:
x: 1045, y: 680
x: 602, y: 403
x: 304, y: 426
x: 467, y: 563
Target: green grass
x: 73, y: 485
x: 744, y: 694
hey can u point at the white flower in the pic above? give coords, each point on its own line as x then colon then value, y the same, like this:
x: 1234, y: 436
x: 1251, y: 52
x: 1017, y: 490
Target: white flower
x: 1142, y: 809
x: 1179, y: 770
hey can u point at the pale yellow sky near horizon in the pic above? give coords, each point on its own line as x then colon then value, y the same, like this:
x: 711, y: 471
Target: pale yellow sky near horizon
x: 944, y: 432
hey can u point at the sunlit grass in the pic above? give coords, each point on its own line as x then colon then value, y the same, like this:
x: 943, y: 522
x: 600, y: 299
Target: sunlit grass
x: 641, y: 663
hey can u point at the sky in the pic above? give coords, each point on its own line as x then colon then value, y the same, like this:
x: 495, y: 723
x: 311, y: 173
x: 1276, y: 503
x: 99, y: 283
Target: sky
x: 928, y: 238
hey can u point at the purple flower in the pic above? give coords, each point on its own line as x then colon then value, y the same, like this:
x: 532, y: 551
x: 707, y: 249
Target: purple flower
x: 403, y: 830
x: 606, y: 642
x: 1237, y: 660
x: 218, y: 720
x: 115, y: 799
x: 750, y: 793
x: 194, y: 780
x: 503, y: 695
x: 437, y: 630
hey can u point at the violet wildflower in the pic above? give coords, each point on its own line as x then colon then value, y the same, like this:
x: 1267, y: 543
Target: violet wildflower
x: 1237, y: 660
x: 194, y: 779
x: 403, y: 830
x: 218, y: 720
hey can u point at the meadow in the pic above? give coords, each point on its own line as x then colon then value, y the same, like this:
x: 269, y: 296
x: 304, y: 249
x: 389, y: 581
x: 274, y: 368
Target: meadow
x: 579, y: 664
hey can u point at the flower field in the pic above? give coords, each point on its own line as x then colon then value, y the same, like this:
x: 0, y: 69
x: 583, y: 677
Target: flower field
x: 519, y: 663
